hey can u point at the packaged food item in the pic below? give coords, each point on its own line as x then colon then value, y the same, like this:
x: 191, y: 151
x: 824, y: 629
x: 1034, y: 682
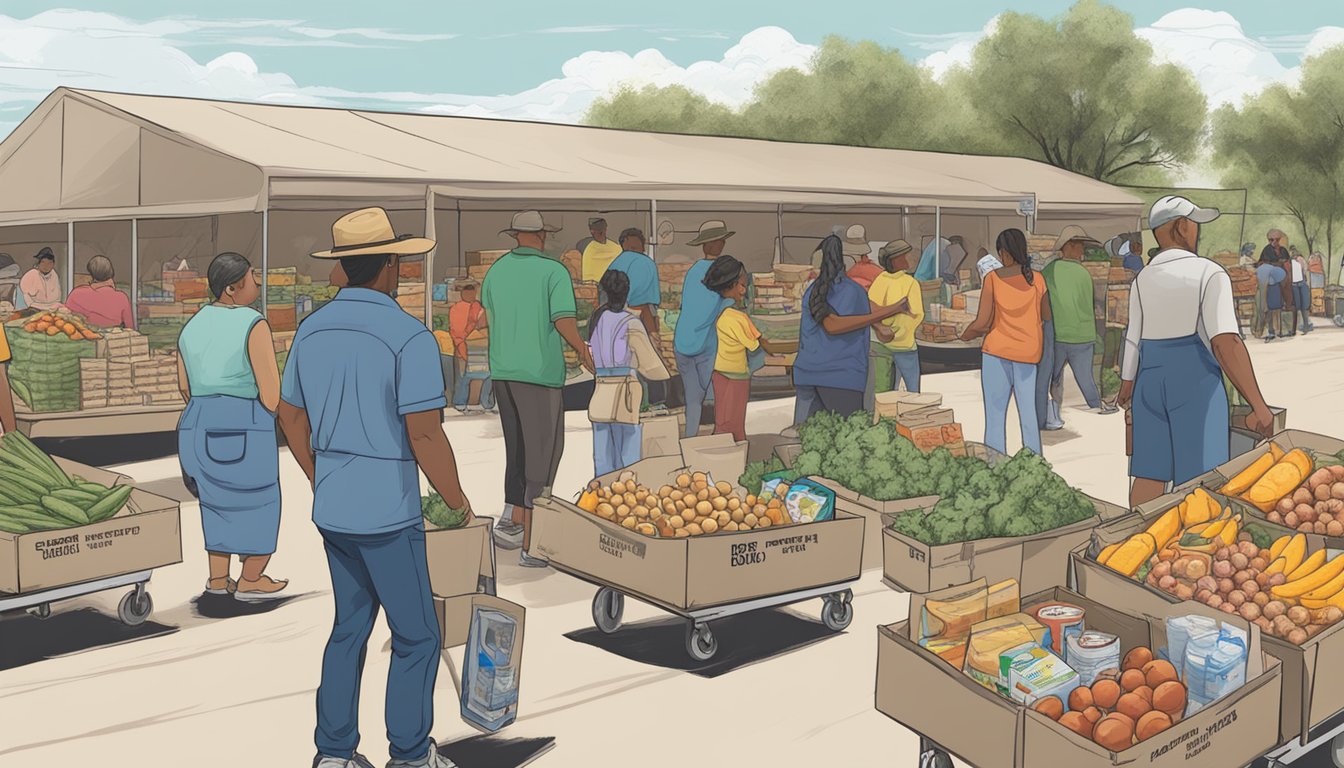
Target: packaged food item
x: 1090, y: 653
x: 775, y: 484
x: 1062, y: 619
x: 808, y: 502
x: 1034, y: 672
x: 1004, y: 598
x: 988, y: 641
x: 490, y: 679
x: 953, y: 616
x: 951, y: 650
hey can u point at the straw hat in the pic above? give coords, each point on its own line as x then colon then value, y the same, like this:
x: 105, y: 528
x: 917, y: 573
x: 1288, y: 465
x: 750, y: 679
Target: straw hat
x: 528, y: 221
x: 1074, y: 232
x: 368, y: 232
x: 856, y: 241
x: 711, y: 231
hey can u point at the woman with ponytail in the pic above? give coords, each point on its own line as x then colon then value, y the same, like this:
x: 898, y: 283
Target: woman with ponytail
x: 832, y: 366
x: 1013, y: 307
x: 739, y: 351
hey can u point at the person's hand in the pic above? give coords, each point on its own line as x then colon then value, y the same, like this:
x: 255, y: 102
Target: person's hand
x: 884, y: 334
x: 586, y: 360
x: 1261, y: 421
x: 1126, y: 397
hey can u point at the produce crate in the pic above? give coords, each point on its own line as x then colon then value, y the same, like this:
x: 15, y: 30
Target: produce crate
x: 990, y: 731
x: 44, y: 370
x: 146, y: 534
x: 697, y: 572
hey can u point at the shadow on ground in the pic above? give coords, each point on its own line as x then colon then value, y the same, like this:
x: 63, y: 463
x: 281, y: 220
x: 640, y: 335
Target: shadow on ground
x: 225, y: 607
x: 743, y: 640
x: 495, y: 752
x: 26, y: 639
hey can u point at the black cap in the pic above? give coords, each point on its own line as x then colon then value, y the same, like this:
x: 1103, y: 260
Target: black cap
x: 44, y: 254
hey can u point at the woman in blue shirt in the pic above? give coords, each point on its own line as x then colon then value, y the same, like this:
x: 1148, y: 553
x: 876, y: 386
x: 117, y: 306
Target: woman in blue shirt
x: 226, y: 437
x: 1270, y: 277
x: 831, y: 370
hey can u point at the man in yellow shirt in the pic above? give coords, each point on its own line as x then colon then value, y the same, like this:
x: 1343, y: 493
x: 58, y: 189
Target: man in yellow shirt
x: 7, y: 420
x: 890, y: 287
x: 599, y: 252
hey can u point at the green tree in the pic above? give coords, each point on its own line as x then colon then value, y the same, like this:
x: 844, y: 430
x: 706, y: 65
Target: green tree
x: 1288, y: 143
x: 1083, y: 92
x: 673, y: 109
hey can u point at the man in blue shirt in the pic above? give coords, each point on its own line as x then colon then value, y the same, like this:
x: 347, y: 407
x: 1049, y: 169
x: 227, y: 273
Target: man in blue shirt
x: 361, y: 406
x: 645, y: 294
x: 696, y: 343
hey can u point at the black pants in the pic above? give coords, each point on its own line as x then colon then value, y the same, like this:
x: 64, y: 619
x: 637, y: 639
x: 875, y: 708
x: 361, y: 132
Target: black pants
x: 533, y: 418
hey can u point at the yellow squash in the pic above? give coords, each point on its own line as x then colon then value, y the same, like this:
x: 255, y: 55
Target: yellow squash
x: 1107, y: 552
x: 1279, y: 481
x: 1132, y: 554
x: 1276, y: 452
x: 1202, y: 508
x: 1166, y: 527
x: 1320, y: 578
x: 1247, y: 477
x: 1230, y: 531
x: 1299, y: 458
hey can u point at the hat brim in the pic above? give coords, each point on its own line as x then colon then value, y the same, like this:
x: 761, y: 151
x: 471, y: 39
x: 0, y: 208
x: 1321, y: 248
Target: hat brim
x: 547, y: 228
x: 411, y: 246
x: 1204, y: 215
x: 714, y: 238
x: 1084, y: 239
x: 854, y: 249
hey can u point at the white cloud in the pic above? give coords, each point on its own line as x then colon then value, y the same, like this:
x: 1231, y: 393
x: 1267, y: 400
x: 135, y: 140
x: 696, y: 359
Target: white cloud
x: 1227, y: 63
x: 958, y: 53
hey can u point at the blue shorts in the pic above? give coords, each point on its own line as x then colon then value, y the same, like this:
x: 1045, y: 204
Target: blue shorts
x: 1180, y: 411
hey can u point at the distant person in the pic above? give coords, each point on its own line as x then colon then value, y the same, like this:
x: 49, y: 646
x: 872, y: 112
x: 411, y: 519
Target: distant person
x: 929, y: 260
x: 1275, y: 248
x: 1073, y: 315
x: 1129, y: 253
x: 892, y: 287
x: 598, y: 252
x: 695, y: 340
x: 1247, y: 258
x: 1013, y: 305
x: 739, y: 349
x: 9, y: 280
x: 1270, y: 279
x: 466, y: 317
x: 529, y: 300
x: 645, y: 293
x: 865, y: 270
x: 100, y: 303
x: 41, y: 286
x: 621, y: 349
x: 8, y: 418
x: 831, y: 371
x: 226, y: 436
x: 1301, y: 292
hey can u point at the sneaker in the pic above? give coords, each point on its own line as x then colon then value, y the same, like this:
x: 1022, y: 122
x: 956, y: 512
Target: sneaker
x: 508, y: 534
x: 1269, y: 338
x: 1053, y: 426
x: 224, y: 586
x: 1107, y: 408
x: 358, y: 761
x: 528, y: 561
x: 260, y: 590
x: 431, y: 760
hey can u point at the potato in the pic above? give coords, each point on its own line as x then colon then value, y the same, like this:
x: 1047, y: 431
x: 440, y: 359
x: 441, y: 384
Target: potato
x: 606, y: 511
x: 1114, y: 733
x: 647, y: 529
x: 1249, y: 588
x: 1196, y: 570
x: 723, y: 518
x: 1237, y: 598
x: 750, y: 519
x: 1080, y: 699
x: 1239, y: 561
x: 709, y: 525
x: 618, y: 488
x: 1278, y: 579
x: 1076, y: 722
x: 764, y: 522
x: 1297, y: 636
x: 719, y: 504
x: 694, y: 529
x: 1132, y: 678
x: 1203, y: 595
x: 1266, y: 628
x: 1282, y: 625
x: 702, y: 495
x: 699, y: 477
x: 1275, y: 609
x: 689, y: 515
x: 1291, y: 520
x: 1223, y: 569
x: 1249, y: 611
x: 1334, y: 528
x: 682, y: 533
x: 1162, y: 568
x: 724, y: 487
x: 700, y: 486
x: 1167, y: 583
x: 731, y: 527
x: 1249, y: 549
x: 629, y: 522
x: 1337, y: 471
x: 1259, y: 563
x: 1261, y: 599
x: 676, y: 495
x: 734, y: 504
x: 676, y: 521
x: 1146, y: 693
x: 738, y: 515
x: 1299, y: 616
x: 1226, y: 585
x: 1106, y: 693
x: 623, y: 511
x: 1330, y: 615
x: 703, y: 508
x: 1184, y: 591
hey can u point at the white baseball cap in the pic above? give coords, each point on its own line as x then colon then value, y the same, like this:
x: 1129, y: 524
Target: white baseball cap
x: 1174, y: 207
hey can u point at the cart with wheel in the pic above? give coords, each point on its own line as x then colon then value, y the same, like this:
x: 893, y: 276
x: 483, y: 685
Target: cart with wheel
x: 134, y: 608
x: 609, y: 609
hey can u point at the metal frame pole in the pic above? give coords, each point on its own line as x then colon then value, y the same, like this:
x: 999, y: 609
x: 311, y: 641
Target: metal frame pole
x: 135, y: 270
x: 938, y: 240
x: 69, y: 257
x: 651, y: 239
x: 265, y: 259
x: 431, y: 232
x: 779, y: 234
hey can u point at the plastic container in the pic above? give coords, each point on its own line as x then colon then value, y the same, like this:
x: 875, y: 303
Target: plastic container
x: 1062, y: 620
x: 490, y: 680
x: 1090, y: 653
x: 1215, y: 665
x: 1179, y: 631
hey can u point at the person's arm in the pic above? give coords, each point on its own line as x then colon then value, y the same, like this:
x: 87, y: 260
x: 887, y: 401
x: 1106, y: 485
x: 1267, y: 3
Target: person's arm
x: 648, y: 317
x: 837, y: 324
x: 420, y: 404
x: 127, y: 314
x: 30, y: 285
x: 1047, y: 315
x: 1129, y: 356
x: 293, y: 422
x: 984, y: 316
x: 1218, y: 314
x: 434, y: 454
x: 7, y: 418
x: 569, y: 331
x: 564, y: 313
x: 261, y: 353
x: 182, y: 383
x: 647, y: 361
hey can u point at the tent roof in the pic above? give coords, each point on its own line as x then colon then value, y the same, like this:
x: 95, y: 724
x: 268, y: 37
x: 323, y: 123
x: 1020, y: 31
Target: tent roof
x: 113, y: 151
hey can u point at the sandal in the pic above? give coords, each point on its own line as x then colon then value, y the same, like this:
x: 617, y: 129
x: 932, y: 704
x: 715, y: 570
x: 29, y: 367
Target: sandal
x: 260, y: 590
x: 213, y: 586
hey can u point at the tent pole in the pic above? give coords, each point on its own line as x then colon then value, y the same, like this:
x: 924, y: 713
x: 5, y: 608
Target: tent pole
x: 69, y: 257
x: 937, y: 240
x: 428, y: 277
x: 458, y: 266
x: 265, y: 254
x: 905, y: 223
x: 779, y: 233
x: 135, y: 269
x: 651, y: 239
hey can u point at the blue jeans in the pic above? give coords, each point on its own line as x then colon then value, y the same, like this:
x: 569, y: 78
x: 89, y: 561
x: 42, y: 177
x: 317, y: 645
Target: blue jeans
x: 1079, y: 357
x: 1045, y: 374
x: 462, y: 387
x: 386, y: 570
x: 615, y: 446
x: 1302, y: 298
x: 696, y: 372
x: 1001, y: 380
x: 907, y: 368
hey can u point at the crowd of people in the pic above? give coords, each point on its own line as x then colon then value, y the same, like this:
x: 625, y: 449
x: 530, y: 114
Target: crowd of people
x: 1283, y: 295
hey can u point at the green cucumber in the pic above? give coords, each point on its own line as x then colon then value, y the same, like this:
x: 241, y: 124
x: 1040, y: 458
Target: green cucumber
x: 34, y: 521
x: 21, y: 487
x: 82, y: 499
x: 9, y: 526
x: 65, y: 510
x: 97, y: 489
x: 22, y: 448
x: 110, y: 504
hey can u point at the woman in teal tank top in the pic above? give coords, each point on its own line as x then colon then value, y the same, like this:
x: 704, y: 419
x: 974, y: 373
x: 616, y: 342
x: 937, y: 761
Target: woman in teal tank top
x: 226, y: 437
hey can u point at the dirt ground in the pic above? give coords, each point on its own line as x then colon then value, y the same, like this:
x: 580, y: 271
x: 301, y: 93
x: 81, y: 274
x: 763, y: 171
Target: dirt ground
x: 211, y: 685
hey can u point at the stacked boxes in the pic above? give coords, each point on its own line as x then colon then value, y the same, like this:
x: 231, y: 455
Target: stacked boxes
x: 778, y: 302
x: 411, y: 297
x: 922, y: 419
x: 479, y: 262
x: 121, y: 384
x: 155, y: 379
x: 573, y: 261
x: 121, y: 348
x: 92, y: 383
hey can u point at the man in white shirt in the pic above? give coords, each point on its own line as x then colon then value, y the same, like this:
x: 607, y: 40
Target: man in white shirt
x: 1183, y: 336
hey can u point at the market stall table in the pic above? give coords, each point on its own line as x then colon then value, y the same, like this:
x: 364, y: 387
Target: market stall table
x: 123, y: 420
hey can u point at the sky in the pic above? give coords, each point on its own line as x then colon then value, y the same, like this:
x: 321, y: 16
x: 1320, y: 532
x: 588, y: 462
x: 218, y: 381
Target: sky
x: 549, y: 61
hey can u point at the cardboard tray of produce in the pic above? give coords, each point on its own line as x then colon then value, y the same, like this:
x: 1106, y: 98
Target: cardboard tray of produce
x: 697, y: 572
x: 460, y: 558
x: 1037, y: 562
x: 1313, y: 678
x: 146, y: 534
x: 924, y: 693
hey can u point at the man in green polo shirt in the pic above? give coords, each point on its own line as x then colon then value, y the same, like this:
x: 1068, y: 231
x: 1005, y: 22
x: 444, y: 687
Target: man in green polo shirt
x: 1073, y: 310
x: 529, y: 304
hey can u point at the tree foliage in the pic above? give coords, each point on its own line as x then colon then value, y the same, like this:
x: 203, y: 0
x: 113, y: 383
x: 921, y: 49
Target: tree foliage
x: 673, y: 109
x: 1084, y: 93
x: 1288, y: 142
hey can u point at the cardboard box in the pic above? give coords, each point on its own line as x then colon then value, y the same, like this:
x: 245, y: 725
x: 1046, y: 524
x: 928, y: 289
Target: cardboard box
x: 460, y: 558
x: 716, y: 455
x: 700, y: 572
x: 1037, y: 562
x: 455, y: 611
x: 147, y: 534
x: 661, y: 436
x: 1313, y: 680
x: 482, y: 258
x: 990, y: 731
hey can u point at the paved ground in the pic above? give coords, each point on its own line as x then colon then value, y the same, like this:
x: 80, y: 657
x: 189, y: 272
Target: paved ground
x: 207, y: 685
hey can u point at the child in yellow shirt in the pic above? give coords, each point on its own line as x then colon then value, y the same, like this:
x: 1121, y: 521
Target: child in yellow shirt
x: 739, y: 345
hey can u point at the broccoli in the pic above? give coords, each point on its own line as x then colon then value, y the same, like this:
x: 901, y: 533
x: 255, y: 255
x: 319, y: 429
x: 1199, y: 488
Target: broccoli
x: 751, y: 478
